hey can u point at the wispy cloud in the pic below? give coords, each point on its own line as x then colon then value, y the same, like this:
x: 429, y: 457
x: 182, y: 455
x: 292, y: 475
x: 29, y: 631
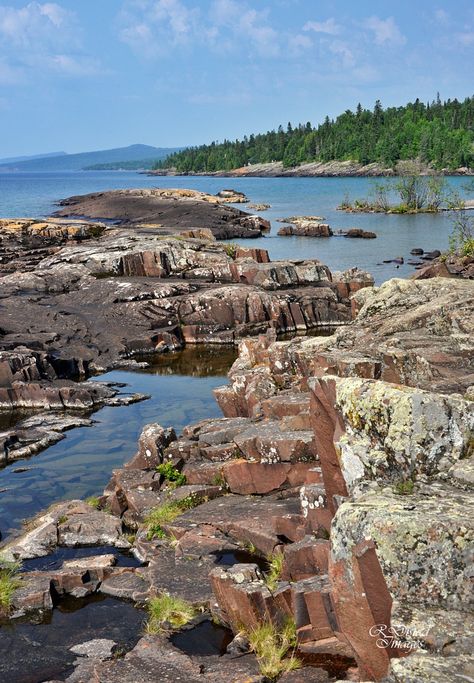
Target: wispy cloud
x: 386, y: 31
x: 153, y: 27
x: 330, y: 27
x: 343, y: 51
x: 40, y: 38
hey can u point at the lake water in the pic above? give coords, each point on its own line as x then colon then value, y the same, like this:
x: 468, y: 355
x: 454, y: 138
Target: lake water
x: 180, y: 386
x: 35, y: 194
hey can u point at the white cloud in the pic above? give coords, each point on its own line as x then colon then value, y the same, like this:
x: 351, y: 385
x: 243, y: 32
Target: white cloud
x: 386, y: 31
x: 330, y: 27
x: 245, y: 23
x: 298, y: 43
x: 343, y: 51
x: 152, y: 27
x: 40, y: 38
x: 69, y: 65
x: 35, y: 24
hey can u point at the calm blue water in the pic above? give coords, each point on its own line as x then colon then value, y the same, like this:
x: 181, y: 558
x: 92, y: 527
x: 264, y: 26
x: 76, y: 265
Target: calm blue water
x: 81, y: 464
x: 31, y: 194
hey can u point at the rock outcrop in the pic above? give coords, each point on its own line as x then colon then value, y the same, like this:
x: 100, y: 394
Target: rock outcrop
x: 172, y: 210
x: 83, y: 308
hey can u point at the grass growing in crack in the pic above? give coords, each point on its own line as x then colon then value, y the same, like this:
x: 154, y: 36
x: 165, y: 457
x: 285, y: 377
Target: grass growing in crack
x: 405, y: 487
x: 231, y: 249
x: 166, y: 609
x: 166, y: 513
x: 274, y: 649
x: 9, y: 581
x: 275, y: 561
x: 171, y: 474
x: 94, y: 502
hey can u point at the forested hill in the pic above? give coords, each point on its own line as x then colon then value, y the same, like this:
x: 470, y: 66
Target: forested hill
x: 437, y: 133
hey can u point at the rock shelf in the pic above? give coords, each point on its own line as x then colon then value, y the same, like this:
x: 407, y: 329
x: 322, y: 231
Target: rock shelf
x: 349, y: 457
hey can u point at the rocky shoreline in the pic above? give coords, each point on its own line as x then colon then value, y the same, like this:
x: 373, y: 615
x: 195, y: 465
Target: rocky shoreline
x: 330, y: 169
x: 79, y: 298
x: 332, y: 504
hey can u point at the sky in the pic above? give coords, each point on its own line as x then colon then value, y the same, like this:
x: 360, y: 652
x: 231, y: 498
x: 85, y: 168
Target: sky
x: 79, y: 75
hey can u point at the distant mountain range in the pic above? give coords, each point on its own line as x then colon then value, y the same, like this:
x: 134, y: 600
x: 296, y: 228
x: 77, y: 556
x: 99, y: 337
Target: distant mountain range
x: 132, y: 157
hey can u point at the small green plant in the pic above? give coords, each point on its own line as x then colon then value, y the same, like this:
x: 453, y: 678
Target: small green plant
x: 130, y: 538
x: 272, y: 648
x: 9, y: 581
x: 231, y: 249
x: 171, y: 474
x: 165, y: 514
x: 250, y: 547
x: 94, y: 502
x: 275, y: 561
x: 166, y: 609
x: 62, y: 519
x: 405, y: 487
x: 218, y: 480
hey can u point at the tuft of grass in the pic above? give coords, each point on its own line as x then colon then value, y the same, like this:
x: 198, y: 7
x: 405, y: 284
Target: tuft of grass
x: 275, y: 561
x: 218, y: 480
x: 231, y: 249
x: 250, y: 547
x: 405, y: 487
x: 166, y: 513
x: 9, y: 581
x: 166, y: 609
x: 63, y: 519
x: 171, y: 474
x: 94, y: 502
x: 272, y: 648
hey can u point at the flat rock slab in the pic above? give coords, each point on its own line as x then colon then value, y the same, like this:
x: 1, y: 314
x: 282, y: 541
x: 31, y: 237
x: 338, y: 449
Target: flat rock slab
x: 146, y: 206
x: 100, y: 648
x: 244, y: 518
x: 153, y: 660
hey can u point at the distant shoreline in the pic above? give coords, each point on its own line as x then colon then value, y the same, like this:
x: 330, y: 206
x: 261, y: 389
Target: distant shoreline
x: 331, y: 169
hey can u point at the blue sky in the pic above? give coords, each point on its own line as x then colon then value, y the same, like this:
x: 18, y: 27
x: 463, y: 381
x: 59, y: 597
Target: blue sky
x: 78, y: 75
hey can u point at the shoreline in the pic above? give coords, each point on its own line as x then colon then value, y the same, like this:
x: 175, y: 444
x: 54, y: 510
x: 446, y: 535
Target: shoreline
x: 331, y: 169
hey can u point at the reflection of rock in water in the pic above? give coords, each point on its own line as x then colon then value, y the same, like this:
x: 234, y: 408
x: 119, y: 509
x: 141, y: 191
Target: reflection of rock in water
x: 196, y: 361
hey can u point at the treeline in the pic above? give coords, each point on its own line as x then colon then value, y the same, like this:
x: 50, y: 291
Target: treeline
x: 438, y: 133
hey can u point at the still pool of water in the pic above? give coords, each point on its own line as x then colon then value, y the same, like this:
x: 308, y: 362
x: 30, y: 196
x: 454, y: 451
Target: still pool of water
x: 180, y: 386
x: 34, y: 194
x: 30, y: 653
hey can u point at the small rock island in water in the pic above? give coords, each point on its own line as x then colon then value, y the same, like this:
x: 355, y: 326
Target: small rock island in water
x: 319, y: 531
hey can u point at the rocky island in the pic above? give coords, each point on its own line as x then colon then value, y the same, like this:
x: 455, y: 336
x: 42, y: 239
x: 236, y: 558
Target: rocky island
x: 324, y: 524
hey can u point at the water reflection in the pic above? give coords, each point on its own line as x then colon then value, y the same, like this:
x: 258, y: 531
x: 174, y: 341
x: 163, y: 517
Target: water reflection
x: 180, y: 386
